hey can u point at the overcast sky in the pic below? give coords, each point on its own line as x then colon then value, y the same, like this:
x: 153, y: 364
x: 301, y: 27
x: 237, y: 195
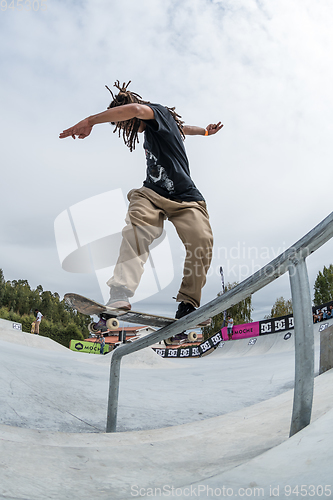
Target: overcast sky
x: 264, y: 68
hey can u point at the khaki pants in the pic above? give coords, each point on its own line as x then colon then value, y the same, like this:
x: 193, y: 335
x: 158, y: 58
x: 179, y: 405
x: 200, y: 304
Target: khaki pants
x: 144, y: 223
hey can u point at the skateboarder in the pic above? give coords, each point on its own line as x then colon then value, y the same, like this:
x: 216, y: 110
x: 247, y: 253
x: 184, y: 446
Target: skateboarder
x: 167, y: 193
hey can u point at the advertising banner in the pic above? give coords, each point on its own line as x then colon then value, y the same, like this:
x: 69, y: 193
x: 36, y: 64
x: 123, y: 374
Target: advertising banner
x: 177, y: 352
x: 276, y: 325
x: 89, y: 347
x: 242, y: 331
x: 189, y: 351
x: 210, y: 343
x: 324, y: 307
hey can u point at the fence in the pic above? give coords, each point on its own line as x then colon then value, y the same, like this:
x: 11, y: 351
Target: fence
x: 293, y: 261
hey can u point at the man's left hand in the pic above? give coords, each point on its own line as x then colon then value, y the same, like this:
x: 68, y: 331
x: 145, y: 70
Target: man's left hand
x: 212, y: 128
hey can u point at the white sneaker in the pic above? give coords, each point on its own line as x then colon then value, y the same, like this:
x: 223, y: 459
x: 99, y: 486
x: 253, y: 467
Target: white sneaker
x: 118, y: 299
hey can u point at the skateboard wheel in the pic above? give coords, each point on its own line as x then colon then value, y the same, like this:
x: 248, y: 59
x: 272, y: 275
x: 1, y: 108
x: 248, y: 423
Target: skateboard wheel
x: 92, y: 327
x: 112, y: 324
x: 192, y: 336
x: 168, y: 341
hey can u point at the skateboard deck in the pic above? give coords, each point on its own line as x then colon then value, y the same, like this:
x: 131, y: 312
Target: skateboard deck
x: 89, y: 307
x: 108, y: 317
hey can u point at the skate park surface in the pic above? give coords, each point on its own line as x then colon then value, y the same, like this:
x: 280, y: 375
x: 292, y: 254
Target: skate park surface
x: 210, y: 427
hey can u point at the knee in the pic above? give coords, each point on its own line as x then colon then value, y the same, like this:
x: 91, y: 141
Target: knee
x: 136, y: 217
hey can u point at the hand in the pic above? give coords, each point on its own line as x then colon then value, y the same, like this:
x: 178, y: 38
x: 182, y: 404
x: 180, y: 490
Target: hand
x: 212, y: 128
x: 81, y: 129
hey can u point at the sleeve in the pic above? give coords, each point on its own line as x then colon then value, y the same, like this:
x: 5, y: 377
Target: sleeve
x: 161, y: 123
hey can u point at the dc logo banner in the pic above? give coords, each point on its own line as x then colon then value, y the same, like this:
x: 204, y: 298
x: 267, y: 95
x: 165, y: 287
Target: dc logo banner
x: 265, y: 327
x: 210, y: 343
x: 205, y: 346
x: 276, y: 325
x: 280, y: 325
x: 160, y: 352
x: 216, y: 339
x: 178, y: 352
x: 172, y: 353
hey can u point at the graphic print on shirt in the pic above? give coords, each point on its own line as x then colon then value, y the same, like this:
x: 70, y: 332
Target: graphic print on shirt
x: 157, y: 173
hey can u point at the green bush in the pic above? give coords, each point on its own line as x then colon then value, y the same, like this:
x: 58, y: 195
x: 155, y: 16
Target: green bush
x: 60, y: 333
x: 10, y: 315
x: 4, y: 313
x: 26, y: 321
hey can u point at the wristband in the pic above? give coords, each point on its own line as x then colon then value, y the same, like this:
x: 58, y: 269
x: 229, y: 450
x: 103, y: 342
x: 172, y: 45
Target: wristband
x: 206, y: 132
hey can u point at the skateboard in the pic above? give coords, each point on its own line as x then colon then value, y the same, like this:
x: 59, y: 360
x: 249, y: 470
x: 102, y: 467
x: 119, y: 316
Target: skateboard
x: 108, y: 317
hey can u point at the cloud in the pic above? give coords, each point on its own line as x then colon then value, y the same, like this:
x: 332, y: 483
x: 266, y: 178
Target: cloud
x: 261, y: 67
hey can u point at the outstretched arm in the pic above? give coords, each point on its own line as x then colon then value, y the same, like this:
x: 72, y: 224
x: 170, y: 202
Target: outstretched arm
x: 212, y: 128
x: 118, y: 114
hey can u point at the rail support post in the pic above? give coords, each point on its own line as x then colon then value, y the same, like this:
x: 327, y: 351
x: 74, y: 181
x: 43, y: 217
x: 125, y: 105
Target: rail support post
x: 304, y: 345
x: 111, y: 422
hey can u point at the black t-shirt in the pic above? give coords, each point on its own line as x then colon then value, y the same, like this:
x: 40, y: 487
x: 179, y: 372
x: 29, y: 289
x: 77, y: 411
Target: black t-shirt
x: 168, y: 172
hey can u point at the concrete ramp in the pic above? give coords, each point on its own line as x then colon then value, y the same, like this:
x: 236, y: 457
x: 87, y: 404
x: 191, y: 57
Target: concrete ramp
x: 9, y: 333
x: 218, y: 421
x: 266, y: 344
x: 215, y: 452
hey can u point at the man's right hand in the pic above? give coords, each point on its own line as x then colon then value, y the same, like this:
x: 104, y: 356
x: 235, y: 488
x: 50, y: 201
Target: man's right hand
x: 81, y: 129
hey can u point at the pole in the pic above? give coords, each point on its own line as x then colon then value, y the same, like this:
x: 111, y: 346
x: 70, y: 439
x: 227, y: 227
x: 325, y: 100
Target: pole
x: 223, y: 290
x: 304, y: 345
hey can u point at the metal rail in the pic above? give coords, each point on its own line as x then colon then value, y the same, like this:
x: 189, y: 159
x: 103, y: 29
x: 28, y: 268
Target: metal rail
x: 293, y: 261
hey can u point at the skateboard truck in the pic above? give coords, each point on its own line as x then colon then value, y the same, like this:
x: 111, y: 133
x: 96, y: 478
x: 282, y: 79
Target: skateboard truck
x: 181, y: 337
x: 106, y: 322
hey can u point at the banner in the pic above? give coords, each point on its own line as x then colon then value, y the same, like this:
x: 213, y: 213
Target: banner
x: 177, y: 352
x: 324, y: 307
x: 242, y: 331
x: 190, y: 351
x: 89, y: 347
x: 210, y: 343
x: 276, y: 325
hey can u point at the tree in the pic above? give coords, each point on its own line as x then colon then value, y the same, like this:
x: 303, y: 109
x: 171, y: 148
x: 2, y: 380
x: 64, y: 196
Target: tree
x: 2, y: 286
x: 281, y: 307
x: 323, y: 287
x: 18, y: 303
x: 241, y: 313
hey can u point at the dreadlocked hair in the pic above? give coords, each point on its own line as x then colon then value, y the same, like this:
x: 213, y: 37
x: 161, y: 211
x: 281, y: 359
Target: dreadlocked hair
x: 129, y: 128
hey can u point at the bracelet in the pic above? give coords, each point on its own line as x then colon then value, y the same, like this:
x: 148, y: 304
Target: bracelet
x: 206, y: 132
